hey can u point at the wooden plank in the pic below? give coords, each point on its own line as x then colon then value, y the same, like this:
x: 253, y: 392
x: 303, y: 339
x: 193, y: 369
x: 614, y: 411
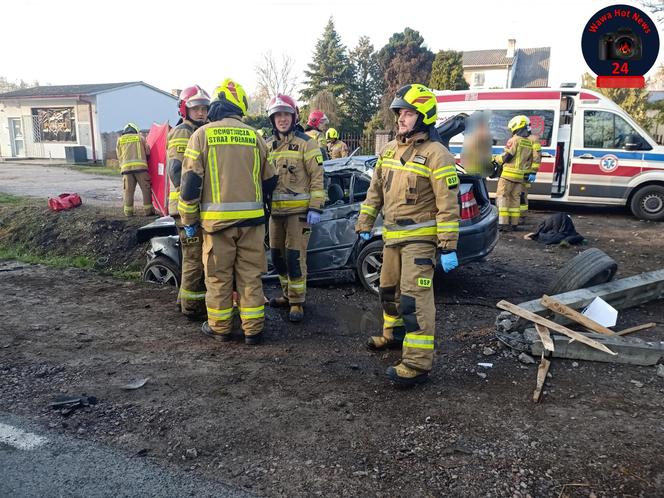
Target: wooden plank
x: 516, y: 310
x: 637, y: 328
x: 572, y: 314
x: 542, y: 370
x: 545, y: 337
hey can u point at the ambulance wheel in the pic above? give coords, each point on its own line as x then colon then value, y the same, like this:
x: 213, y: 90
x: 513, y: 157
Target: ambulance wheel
x: 648, y: 203
x: 590, y: 267
x: 161, y: 270
x: 369, y: 263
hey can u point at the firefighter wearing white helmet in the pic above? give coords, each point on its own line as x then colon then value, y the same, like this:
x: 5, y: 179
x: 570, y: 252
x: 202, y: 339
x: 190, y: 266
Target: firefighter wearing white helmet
x: 133, y: 152
x: 296, y: 202
x: 193, y: 106
x: 415, y: 185
x: 516, y: 162
x: 225, y: 177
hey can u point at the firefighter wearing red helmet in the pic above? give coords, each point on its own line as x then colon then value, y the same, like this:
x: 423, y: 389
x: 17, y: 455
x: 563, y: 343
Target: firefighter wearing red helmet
x: 315, y: 124
x: 296, y: 202
x: 193, y: 107
x: 415, y: 185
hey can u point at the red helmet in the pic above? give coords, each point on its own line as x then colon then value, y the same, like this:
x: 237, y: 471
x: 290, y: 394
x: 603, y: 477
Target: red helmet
x: 281, y: 103
x: 317, y: 118
x: 192, y: 97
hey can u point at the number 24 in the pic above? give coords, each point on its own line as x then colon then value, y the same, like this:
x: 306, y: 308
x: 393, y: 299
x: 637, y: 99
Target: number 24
x: 620, y: 68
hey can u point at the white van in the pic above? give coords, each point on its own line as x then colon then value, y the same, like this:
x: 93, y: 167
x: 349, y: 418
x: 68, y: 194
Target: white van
x: 593, y: 152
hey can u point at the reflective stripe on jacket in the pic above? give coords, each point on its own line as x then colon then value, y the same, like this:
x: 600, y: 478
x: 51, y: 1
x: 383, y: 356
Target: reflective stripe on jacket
x: 132, y: 151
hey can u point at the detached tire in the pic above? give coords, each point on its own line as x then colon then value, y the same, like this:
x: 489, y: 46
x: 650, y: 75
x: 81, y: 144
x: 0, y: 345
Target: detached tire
x: 162, y: 270
x: 591, y: 267
x: 648, y: 203
x: 368, y: 265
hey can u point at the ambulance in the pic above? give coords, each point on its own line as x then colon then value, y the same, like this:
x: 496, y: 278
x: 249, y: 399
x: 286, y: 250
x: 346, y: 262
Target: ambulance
x: 593, y: 152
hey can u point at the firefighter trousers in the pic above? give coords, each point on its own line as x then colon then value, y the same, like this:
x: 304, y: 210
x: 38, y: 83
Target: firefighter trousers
x: 192, y: 283
x: 129, y: 181
x: 289, y: 238
x: 523, y: 205
x: 235, y: 255
x: 406, y: 294
x: 507, y: 200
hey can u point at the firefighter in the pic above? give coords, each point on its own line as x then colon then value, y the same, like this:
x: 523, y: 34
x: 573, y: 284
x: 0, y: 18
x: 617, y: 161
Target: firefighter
x: 335, y: 147
x: 516, y: 162
x: 193, y: 107
x: 296, y: 202
x: 415, y: 184
x: 225, y: 176
x: 476, y: 152
x: 530, y: 178
x: 317, y: 120
x: 133, y: 152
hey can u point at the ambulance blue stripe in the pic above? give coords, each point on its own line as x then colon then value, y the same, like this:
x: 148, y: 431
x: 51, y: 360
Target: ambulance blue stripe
x: 456, y: 149
x: 618, y: 154
x: 649, y: 156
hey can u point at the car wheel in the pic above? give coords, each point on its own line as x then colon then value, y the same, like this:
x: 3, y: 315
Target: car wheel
x: 369, y: 263
x: 162, y: 270
x: 648, y: 203
x: 591, y: 267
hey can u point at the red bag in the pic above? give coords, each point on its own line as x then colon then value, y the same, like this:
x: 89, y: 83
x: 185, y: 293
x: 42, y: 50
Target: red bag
x: 64, y: 201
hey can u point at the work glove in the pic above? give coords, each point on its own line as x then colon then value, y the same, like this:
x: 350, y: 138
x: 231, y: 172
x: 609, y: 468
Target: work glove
x: 313, y: 217
x: 448, y: 260
x: 531, y: 178
x: 365, y: 235
x: 190, y: 230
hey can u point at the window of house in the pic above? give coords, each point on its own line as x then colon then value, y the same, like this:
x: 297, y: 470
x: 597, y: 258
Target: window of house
x: 478, y: 79
x: 606, y: 130
x: 541, y: 124
x: 54, y: 124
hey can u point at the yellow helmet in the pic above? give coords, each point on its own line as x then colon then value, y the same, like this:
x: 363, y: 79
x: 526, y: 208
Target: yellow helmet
x: 518, y: 122
x: 332, y: 134
x: 131, y: 128
x: 417, y: 98
x: 232, y: 92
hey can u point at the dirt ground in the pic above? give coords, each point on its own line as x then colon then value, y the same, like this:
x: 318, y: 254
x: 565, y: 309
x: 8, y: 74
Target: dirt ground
x: 309, y: 413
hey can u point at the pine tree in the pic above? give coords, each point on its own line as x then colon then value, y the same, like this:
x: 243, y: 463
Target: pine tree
x: 366, y: 89
x: 447, y: 71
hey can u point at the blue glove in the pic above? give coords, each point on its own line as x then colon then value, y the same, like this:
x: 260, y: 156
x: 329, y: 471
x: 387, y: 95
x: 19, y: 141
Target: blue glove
x: 365, y: 235
x: 531, y: 178
x: 449, y: 261
x: 313, y: 217
x: 190, y: 230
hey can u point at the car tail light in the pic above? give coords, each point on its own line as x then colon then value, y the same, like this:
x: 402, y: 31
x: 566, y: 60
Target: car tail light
x: 469, y: 207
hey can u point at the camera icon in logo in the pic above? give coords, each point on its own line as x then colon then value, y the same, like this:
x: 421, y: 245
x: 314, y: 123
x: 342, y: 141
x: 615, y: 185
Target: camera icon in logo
x: 622, y: 45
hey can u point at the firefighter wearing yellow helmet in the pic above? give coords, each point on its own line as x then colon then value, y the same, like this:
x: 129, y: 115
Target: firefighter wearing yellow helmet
x: 225, y: 177
x: 335, y: 147
x: 516, y: 162
x: 133, y: 152
x: 415, y: 186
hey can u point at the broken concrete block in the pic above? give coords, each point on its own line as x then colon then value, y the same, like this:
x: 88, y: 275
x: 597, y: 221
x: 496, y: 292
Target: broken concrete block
x: 527, y: 359
x: 531, y: 335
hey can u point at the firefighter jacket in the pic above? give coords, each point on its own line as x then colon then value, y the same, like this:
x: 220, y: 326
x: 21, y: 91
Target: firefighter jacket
x: 177, y: 141
x: 225, y: 165
x: 415, y: 184
x: 299, y: 163
x: 537, y: 153
x: 133, y: 152
x: 517, y: 159
x: 337, y: 149
x: 319, y: 138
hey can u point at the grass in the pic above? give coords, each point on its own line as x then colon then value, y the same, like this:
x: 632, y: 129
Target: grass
x: 96, y: 170
x: 10, y: 199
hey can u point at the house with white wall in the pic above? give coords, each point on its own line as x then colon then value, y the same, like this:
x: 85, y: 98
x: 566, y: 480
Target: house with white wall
x: 40, y: 122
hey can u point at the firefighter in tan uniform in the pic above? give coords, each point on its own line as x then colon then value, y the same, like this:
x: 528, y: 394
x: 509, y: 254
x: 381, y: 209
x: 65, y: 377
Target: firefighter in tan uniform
x: 318, y: 120
x: 530, y: 178
x: 415, y: 185
x: 296, y: 202
x: 335, y: 147
x: 225, y: 176
x: 516, y: 162
x: 193, y: 107
x: 133, y: 152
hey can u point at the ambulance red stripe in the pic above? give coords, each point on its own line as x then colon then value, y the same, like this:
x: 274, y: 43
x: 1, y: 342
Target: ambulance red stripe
x: 594, y: 169
x: 499, y: 96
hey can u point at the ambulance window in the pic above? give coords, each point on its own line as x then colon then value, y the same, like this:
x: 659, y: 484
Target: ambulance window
x: 541, y: 123
x: 606, y: 130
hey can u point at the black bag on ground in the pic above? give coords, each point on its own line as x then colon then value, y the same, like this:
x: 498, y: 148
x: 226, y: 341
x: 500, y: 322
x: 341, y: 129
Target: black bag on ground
x: 557, y: 228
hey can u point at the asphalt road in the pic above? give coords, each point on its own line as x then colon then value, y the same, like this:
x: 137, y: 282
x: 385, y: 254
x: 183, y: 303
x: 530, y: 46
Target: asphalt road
x: 36, y: 463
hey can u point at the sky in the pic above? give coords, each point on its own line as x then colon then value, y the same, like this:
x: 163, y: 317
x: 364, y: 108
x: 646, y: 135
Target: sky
x: 174, y: 44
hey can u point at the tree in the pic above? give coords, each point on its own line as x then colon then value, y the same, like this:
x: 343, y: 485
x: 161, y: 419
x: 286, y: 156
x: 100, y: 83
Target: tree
x: 330, y: 69
x: 447, y: 71
x: 366, y: 88
x: 405, y: 59
x: 326, y: 102
x: 8, y: 86
x: 273, y: 77
x: 633, y: 100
